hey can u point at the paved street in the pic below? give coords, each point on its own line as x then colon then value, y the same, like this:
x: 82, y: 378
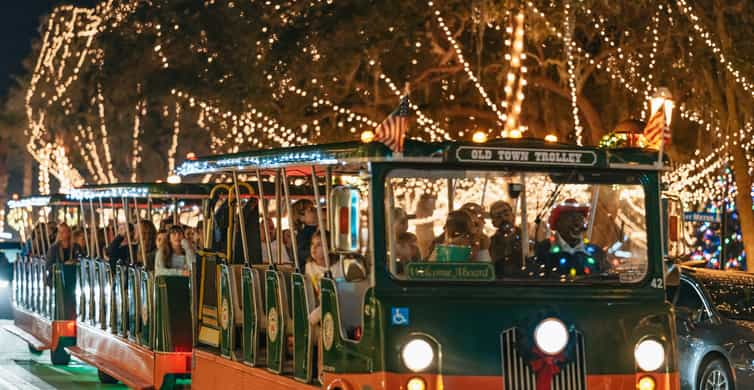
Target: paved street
x: 20, y: 369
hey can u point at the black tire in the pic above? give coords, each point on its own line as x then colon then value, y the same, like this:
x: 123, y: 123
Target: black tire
x: 33, y: 350
x: 715, y: 375
x: 168, y: 382
x: 59, y: 356
x: 106, y: 379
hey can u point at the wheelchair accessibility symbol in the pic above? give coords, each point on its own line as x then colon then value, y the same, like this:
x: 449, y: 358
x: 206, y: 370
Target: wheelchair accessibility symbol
x: 399, y: 316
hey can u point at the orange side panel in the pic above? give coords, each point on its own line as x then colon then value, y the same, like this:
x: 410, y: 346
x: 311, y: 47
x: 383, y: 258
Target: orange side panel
x: 670, y: 381
x: 37, y: 326
x: 213, y: 372
x: 170, y: 363
x: 116, y: 351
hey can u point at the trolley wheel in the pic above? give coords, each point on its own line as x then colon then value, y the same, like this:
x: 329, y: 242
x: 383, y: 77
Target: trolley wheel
x: 106, y: 379
x: 59, y: 356
x: 168, y: 382
x: 33, y: 350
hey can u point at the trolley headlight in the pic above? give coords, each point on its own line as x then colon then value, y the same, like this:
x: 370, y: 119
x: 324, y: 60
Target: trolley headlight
x: 417, y: 355
x: 649, y: 355
x: 551, y: 336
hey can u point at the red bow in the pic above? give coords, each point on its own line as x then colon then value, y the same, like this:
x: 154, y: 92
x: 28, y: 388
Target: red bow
x: 546, y: 367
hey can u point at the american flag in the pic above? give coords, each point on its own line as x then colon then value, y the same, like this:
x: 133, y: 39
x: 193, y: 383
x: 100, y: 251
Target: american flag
x: 392, y: 131
x: 656, y: 132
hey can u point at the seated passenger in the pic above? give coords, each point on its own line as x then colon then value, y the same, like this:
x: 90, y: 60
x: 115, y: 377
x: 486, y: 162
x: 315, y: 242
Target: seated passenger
x: 425, y: 234
x: 304, y: 227
x: 505, y: 244
x: 406, y: 250
x: 147, y: 236
x: 63, y: 250
x: 78, y: 238
x: 174, y: 257
x: 273, y: 244
x: 566, y: 253
x: 118, y: 251
x: 316, y: 265
x: 477, y: 230
x: 458, y: 242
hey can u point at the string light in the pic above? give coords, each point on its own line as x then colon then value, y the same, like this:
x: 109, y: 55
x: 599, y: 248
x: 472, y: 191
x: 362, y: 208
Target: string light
x: 571, y: 65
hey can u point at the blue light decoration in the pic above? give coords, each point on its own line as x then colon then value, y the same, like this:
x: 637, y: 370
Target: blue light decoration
x: 109, y: 192
x: 32, y: 201
x: 240, y: 162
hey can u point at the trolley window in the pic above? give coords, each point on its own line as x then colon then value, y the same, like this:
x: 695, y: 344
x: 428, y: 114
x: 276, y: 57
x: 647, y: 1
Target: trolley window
x: 568, y: 227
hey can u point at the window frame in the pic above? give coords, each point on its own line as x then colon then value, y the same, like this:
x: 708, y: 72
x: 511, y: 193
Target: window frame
x: 641, y: 179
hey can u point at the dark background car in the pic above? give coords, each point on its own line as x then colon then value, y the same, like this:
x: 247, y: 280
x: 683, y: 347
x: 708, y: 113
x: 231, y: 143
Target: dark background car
x: 715, y: 325
x: 9, y: 251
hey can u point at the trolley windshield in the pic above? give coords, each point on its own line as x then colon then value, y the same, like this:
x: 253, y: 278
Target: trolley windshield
x: 527, y: 226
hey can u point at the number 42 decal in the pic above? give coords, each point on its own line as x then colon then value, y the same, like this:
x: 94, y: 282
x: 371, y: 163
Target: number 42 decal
x: 656, y: 283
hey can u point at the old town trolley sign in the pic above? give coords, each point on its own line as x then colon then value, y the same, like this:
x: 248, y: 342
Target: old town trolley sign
x: 387, y: 315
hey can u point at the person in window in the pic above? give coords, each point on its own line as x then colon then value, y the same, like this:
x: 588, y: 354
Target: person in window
x: 566, y: 253
x: 175, y: 256
x: 273, y: 244
x: 505, y: 244
x: 118, y: 251
x: 304, y: 227
x: 147, y: 236
x: 458, y: 242
x: 63, y: 250
x: 481, y: 241
x: 77, y: 236
x: 425, y: 235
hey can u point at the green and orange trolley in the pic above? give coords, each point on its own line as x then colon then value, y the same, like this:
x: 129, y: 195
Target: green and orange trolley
x: 404, y: 306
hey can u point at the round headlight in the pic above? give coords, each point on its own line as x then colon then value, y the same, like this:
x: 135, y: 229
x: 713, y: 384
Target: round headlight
x: 417, y: 355
x: 649, y: 355
x: 551, y: 336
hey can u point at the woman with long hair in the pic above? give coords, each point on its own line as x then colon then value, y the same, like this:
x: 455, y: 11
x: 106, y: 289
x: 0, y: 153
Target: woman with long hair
x: 175, y: 255
x: 304, y: 227
x: 147, y: 237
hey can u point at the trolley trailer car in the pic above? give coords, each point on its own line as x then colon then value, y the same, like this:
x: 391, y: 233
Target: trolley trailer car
x: 514, y: 264
x: 43, y: 298
x: 132, y: 325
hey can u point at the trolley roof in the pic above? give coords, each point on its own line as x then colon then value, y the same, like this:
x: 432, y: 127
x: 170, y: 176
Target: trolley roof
x: 141, y: 190
x: 41, y: 201
x: 529, y: 152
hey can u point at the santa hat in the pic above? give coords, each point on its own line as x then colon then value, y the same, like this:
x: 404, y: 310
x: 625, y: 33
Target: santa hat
x: 570, y: 205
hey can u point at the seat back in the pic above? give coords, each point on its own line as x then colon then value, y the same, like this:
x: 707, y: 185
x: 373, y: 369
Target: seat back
x: 133, y: 302
x: 302, y: 304
x: 208, y: 332
x: 146, y: 314
x: 276, y: 302
x: 172, y: 324
x: 254, y: 320
x: 226, y: 311
x: 107, y: 307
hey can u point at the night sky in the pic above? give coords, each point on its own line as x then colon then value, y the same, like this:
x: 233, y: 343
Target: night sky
x: 19, y: 25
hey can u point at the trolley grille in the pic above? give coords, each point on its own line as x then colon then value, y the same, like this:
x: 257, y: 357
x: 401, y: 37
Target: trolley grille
x: 518, y: 375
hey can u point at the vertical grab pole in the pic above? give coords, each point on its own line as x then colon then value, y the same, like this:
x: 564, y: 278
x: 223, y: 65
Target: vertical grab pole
x: 93, y: 231
x: 128, y: 231
x: 524, y: 223
x: 279, y: 225
x: 46, y: 235
x: 140, y: 232
x: 291, y: 225
x: 263, y: 210
x: 241, y: 220
x: 328, y: 190
x: 86, y: 231
x: 176, y: 219
x: 320, y: 221
x: 113, y: 226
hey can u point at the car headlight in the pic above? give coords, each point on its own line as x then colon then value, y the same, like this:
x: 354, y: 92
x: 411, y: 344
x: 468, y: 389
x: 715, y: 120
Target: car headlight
x: 551, y: 336
x: 649, y: 355
x: 417, y: 355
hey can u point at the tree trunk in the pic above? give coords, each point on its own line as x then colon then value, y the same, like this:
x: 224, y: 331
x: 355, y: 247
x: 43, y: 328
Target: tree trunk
x: 740, y: 161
